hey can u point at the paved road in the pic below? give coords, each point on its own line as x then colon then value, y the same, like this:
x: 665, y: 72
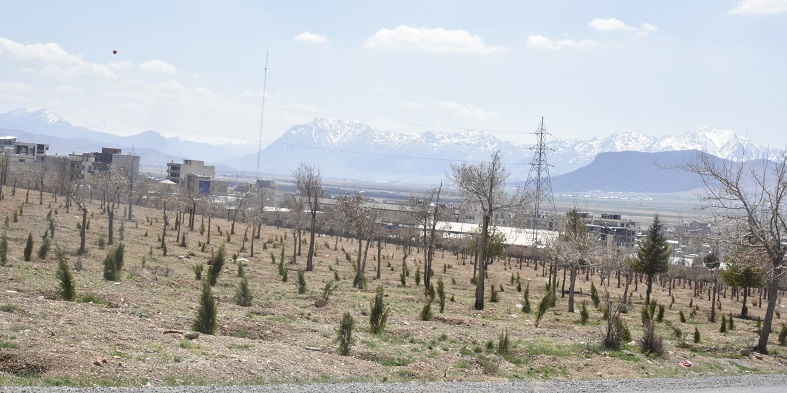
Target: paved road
x: 731, y: 384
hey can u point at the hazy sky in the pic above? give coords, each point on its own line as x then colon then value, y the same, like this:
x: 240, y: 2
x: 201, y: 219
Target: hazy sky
x: 592, y: 68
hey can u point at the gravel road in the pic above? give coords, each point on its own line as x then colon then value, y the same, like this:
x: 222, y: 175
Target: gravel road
x: 729, y: 384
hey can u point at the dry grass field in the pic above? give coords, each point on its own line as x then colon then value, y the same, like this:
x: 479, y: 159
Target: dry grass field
x: 131, y: 332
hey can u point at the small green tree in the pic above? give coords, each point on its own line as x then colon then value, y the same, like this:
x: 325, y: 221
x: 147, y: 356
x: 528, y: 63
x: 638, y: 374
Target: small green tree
x: 378, y: 315
x: 301, y: 282
x: 696, y: 335
x: 743, y: 274
x: 120, y: 253
x: 216, y: 264
x: 110, y: 267
x: 65, y: 277
x: 583, y: 313
x: 344, y: 335
x: 653, y: 255
x: 43, y: 251
x: 29, y: 247
x: 418, y: 275
x: 441, y: 294
x: 243, y: 296
x: 426, y: 312
x: 3, y: 249
x: 526, y: 301
x: 205, y: 321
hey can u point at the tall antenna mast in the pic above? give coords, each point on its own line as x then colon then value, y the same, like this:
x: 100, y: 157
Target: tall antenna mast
x: 262, y: 114
x: 538, y: 178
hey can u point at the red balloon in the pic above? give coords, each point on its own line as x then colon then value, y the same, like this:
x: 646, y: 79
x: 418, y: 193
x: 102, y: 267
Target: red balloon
x: 114, y: 52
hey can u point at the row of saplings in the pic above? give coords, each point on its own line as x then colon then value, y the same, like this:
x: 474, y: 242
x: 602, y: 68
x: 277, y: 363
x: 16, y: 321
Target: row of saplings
x: 206, y: 319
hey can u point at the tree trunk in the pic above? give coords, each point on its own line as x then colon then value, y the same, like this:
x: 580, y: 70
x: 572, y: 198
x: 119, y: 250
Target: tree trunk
x: 310, y: 257
x: 571, y: 289
x: 111, y: 224
x: 713, y: 303
x: 82, y: 232
x: 773, y: 293
x: 479, y: 289
x: 379, y: 258
x: 647, y: 291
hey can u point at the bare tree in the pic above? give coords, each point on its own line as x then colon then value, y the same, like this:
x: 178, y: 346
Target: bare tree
x: 309, y: 184
x: 77, y: 192
x: 360, y: 219
x: 427, y: 210
x: 210, y: 208
x: 484, y: 185
x: 573, y: 249
x: 112, y: 183
x: 747, y: 198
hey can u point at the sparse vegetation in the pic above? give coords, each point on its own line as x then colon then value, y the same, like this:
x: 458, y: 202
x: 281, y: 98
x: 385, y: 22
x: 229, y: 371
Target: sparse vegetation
x: 378, y: 315
x: 344, y: 334
x: 205, y: 321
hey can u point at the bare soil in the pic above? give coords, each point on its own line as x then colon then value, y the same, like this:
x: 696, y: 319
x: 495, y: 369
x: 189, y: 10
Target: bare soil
x: 131, y: 332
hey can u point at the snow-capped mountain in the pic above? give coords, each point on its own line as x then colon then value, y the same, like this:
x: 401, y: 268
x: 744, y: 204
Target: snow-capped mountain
x: 569, y: 155
x: 353, y: 149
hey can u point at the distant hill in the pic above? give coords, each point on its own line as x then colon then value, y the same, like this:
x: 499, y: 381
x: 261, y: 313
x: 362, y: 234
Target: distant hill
x: 44, y: 126
x: 631, y: 171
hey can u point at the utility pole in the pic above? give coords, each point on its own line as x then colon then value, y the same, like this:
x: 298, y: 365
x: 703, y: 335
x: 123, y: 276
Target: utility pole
x: 538, y: 180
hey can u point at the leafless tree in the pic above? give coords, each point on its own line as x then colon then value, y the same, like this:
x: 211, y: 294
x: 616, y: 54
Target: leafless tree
x: 747, y: 199
x: 112, y: 183
x: 309, y: 185
x: 210, y: 208
x: 573, y: 249
x: 427, y: 210
x: 296, y: 221
x: 484, y: 185
x: 360, y: 219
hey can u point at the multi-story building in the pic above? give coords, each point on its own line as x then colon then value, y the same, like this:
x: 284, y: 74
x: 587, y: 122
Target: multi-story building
x: 196, y: 177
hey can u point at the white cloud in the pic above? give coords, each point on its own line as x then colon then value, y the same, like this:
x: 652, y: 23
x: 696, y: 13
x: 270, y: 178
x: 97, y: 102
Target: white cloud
x: 158, y: 66
x: 610, y: 24
x: 437, y: 40
x: 311, y: 38
x: 760, y: 7
x: 53, y: 53
x: 457, y: 109
x: 538, y: 41
x: 649, y: 27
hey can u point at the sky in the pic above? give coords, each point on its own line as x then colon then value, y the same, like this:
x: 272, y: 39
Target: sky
x: 197, y: 69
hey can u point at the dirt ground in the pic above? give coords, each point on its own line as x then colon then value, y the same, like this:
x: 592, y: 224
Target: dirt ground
x: 131, y: 332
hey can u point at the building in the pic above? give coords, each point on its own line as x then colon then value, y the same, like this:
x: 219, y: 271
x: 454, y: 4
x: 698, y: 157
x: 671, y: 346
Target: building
x: 196, y: 177
x: 178, y: 171
x: 87, y: 164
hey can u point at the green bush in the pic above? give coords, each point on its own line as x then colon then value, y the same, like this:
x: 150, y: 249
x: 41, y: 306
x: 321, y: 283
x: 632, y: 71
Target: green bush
x: 583, y: 313
x: 723, y: 328
x: 65, y: 277
x: 426, y: 312
x: 3, y: 249
x: 111, y: 272
x: 682, y: 316
x: 216, y: 264
x: 696, y: 335
x: 526, y: 300
x: 205, y: 321
x: 594, y: 295
x: 378, y: 315
x: 243, y: 296
x: 344, y: 335
x: 43, y: 251
x: 198, y: 271
x: 418, y: 276
x: 650, y: 343
x: 301, y: 282
x: 660, y: 314
x: 503, y: 343
x: 29, y: 248
x: 441, y: 294
x: 783, y: 335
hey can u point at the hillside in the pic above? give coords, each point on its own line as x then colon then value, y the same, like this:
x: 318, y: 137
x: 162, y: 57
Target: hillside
x: 132, y: 332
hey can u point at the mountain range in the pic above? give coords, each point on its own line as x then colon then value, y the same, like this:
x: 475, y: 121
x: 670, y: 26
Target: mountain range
x: 354, y: 150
